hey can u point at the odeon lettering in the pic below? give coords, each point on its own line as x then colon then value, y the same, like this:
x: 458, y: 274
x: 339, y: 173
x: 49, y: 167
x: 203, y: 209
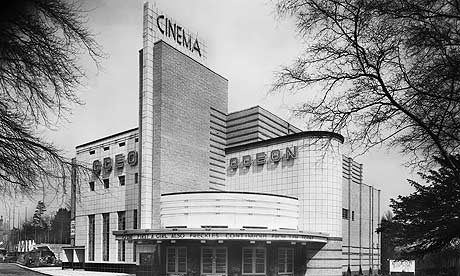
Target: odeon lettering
x: 178, y: 34
x: 261, y: 158
x: 107, y: 164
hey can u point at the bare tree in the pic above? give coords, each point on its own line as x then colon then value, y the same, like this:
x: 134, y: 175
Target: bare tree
x: 388, y: 72
x: 41, y: 43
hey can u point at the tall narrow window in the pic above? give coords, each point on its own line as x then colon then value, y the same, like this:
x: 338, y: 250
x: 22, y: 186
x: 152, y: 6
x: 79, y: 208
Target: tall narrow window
x: 105, y: 236
x: 285, y: 261
x: 136, y: 178
x: 345, y: 213
x: 121, y: 180
x: 254, y: 260
x: 91, y: 185
x: 213, y: 260
x: 176, y: 260
x: 135, y: 219
x: 106, y: 183
x: 91, y: 237
x: 134, y: 251
x: 121, y: 243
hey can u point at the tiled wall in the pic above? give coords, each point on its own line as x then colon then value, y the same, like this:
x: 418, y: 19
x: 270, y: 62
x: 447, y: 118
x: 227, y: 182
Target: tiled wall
x: 361, y: 244
x: 101, y: 200
x: 314, y: 177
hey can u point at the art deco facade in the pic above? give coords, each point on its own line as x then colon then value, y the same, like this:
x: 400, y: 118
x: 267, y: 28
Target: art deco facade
x: 195, y: 190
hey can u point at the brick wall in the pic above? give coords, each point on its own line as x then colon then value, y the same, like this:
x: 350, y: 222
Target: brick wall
x: 184, y: 91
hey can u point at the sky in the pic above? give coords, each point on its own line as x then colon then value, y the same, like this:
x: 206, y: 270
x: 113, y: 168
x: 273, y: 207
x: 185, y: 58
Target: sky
x: 246, y: 43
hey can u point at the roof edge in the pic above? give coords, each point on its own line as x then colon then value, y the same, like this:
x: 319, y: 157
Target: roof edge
x: 105, y: 138
x: 228, y: 192
x: 287, y: 138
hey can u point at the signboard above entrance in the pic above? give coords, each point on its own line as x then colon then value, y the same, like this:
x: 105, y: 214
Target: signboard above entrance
x: 220, y: 235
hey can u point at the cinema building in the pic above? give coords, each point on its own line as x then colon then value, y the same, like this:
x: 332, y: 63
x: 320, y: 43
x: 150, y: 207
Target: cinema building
x: 196, y: 190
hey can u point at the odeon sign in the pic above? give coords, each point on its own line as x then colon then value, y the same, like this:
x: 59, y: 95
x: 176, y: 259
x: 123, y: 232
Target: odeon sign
x: 261, y: 158
x: 107, y: 163
x: 177, y: 33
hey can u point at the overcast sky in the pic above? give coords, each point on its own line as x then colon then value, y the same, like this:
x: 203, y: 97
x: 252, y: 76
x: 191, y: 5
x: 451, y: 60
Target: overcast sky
x: 246, y: 43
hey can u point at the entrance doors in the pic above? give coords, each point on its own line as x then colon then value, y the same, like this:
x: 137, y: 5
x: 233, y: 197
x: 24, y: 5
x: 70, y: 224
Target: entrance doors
x: 214, y: 261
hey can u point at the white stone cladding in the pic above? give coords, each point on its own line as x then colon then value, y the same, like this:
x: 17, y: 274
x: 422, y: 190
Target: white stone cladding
x: 148, y: 193
x: 106, y: 200
x: 314, y: 177
x: 229, y: 210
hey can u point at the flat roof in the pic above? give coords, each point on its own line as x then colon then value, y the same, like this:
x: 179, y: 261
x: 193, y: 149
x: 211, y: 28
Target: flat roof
x: 106, y: 137
x: 286, y: 138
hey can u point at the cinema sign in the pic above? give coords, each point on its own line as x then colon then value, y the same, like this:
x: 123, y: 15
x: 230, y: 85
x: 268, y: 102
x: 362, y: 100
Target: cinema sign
x: 176, y: 32
x: 261, y: 158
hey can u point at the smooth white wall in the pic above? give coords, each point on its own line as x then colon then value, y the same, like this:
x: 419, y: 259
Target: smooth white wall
x: 232, y: 210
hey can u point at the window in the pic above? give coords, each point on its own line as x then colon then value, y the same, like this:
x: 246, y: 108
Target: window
x: 254, y: 259
x: 286, y: 261
x: 91, y: 152
x: 134, y: 251
x: 106, y: 148
x: 121, y: 243
x: 121, y: 220
x: 105, y: 236
x: 121, y: 250
x: 135, y: 219
x: 353, y: 215
x: 121, y: 180
x: 345, y: 213
x: 91, y: 185
x: 136, y: 178
x: 136, y: 140
x: 213, y: 260
x: 122, y: 144
x: 91, y: 237
x: 176, y: 260
x: 106, y: 183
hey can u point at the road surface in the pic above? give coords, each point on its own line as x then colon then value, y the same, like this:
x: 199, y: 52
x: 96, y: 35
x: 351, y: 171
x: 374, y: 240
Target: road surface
x: 14, y: 270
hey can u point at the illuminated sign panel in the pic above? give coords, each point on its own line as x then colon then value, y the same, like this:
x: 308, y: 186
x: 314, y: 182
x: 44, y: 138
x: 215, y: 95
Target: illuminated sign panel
x: 262, y: 158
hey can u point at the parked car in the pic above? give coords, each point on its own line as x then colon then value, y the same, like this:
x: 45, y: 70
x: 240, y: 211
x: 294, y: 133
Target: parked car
x: 11, y: 257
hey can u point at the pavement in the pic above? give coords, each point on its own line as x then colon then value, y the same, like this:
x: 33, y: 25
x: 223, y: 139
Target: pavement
x: 10, y: 269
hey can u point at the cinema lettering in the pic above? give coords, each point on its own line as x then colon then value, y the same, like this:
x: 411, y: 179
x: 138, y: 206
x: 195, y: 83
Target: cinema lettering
x: 261, y: 158
x: 177, y: 33
x: 108, y: 163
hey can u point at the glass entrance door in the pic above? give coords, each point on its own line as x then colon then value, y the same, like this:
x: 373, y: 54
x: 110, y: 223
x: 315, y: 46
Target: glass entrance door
x: 214, y: 261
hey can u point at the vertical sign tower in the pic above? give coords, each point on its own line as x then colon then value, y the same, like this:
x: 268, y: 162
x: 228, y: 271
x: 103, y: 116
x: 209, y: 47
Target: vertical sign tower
x: 146, y: 178
x: 181, y: 103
